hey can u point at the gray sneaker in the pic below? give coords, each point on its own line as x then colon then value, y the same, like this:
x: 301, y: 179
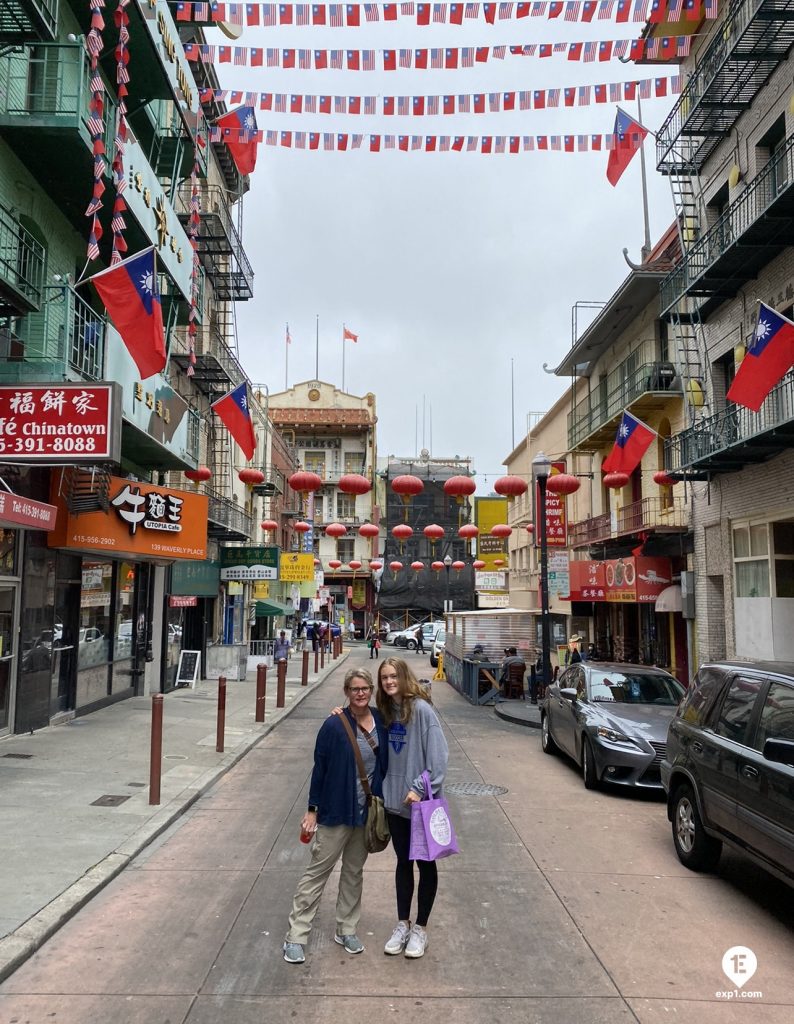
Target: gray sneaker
x: 293, y: 953
x: 417, y: 943
x: 352, y: 943
x: 399, y: 938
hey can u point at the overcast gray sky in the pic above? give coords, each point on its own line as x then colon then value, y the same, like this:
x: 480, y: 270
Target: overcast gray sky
x: 447, y: 265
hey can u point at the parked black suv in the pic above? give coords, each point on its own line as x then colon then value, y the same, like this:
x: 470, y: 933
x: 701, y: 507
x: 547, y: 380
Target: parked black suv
x: 729, y: 767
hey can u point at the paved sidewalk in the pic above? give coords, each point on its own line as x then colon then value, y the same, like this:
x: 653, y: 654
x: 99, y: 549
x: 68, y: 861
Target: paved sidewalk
x: 59, y: 847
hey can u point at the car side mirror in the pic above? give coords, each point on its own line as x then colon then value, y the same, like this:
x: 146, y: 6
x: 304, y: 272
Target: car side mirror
x: 568, y: 692
x: 780, y: 751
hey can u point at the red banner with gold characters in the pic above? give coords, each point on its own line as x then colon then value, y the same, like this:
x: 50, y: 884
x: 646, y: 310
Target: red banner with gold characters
x: 556, y: 514
x: 620, y: 580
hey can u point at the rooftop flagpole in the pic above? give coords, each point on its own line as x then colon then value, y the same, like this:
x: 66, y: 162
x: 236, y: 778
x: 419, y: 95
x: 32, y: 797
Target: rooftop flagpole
x: 287, y: 341
x: 646, y: 248
x: 317, y: 348
x: 343, y: 357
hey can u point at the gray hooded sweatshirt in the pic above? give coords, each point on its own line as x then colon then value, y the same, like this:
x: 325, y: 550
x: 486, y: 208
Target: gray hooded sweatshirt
x: 413, y: 748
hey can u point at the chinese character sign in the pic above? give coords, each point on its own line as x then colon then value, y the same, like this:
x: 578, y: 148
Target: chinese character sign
x: 556, y: 514
x: 60, y: 422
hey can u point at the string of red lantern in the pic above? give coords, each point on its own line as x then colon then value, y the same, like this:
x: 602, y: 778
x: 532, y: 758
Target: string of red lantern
x: 198, y: 476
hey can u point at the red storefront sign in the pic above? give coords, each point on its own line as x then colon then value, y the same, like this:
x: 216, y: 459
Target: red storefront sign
x: 60, y: 422
x: 556, y: 514
x: 620, y: 580
x: 17, y: 511
x: 177, y: 601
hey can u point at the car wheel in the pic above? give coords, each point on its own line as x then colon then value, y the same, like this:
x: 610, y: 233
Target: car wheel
x: 588, y: 765
x: 696, y: 849
x: 411, y: 645
x: 547, y: 743
x: 433, y: 661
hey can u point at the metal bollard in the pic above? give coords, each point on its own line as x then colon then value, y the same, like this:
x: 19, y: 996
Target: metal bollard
x: 305, y: 669
x: 261, y: 690
x: 221, y: 714
x: 316, y: 660
x: 322, y: 656
x: 281, y: 684
x: 156, y: 752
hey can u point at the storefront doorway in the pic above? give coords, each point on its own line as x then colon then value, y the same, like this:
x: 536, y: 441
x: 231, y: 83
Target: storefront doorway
x: 8, y: 651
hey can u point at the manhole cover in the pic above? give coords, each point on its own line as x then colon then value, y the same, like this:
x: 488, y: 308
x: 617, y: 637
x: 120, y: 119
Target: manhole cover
x: 19, y: 757
x: 474, y: 789
x: 109, y: 801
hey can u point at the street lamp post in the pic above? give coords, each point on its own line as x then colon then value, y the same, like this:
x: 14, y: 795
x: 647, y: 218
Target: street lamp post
x: 447, y: 602
x: 541, y: 468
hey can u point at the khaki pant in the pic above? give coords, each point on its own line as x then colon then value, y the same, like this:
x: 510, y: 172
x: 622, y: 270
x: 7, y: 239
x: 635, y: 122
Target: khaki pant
x: 328, y: 845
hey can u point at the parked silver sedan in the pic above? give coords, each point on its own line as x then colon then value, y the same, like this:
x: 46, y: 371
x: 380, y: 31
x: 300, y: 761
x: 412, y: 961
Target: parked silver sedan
x: 612, y: 720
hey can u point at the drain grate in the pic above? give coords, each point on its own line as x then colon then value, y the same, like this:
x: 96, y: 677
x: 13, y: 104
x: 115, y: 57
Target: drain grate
x: 474, y: 789
x: 19, y: 757
x: 137, y: 785
x: 109, y: 800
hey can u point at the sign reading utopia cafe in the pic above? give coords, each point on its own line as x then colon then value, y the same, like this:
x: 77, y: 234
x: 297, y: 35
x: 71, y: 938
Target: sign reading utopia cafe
x: 60, y: 423
x: 141, y: 521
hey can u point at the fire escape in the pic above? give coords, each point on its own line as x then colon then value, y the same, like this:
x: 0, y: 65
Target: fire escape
x: 752, y: 39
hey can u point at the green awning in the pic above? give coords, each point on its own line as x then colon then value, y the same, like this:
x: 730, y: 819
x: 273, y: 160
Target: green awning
x: 266, y: 608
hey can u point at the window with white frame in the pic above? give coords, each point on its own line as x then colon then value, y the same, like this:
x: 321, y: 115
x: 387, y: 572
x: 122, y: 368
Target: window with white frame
x: 354, y: 462
x: 345, y: 550
x: 763, y: 558
x: 345, y: 505
x: 314, y: 462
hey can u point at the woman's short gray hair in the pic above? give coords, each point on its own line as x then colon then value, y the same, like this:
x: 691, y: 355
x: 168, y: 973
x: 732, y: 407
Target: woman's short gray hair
x: 358, y: 673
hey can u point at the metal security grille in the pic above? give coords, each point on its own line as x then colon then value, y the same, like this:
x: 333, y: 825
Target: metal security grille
x: 474, y: 789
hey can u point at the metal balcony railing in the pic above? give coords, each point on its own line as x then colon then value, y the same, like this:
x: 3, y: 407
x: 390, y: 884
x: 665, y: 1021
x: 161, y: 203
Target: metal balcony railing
x: 64, y: 339
x: 25, y: 20
x: 735, y: 436
x: 219, y: 245
x: 21, y: 266
x: 660, y: 514
x: 216, y: 367
x: 741, y: 215
x: 227, y: 514
x: 623, y: 386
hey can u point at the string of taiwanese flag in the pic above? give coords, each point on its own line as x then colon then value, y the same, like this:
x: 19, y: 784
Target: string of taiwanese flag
x: 355, y: 15
x: 463, y: 103
x: 447, y: 58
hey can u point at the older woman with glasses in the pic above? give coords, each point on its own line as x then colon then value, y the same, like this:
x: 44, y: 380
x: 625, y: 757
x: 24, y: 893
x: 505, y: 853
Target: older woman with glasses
x: 335, y: 817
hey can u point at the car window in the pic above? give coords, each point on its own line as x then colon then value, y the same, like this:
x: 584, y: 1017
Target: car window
x: 608, y: 686
x: 568, y: 678
x: 581, y: 683
x: 701, y: 695
x: 737, y: 708
x: 777, y: 715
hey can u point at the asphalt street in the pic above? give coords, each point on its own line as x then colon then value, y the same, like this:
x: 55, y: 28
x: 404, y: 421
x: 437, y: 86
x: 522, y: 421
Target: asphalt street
x: 565, y: 905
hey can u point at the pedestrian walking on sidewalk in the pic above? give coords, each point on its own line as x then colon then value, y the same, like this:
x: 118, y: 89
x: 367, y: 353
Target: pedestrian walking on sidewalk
x: 420, y: 641
x: 281, y: 648
x: 416, y: 744
x: 335, y: 816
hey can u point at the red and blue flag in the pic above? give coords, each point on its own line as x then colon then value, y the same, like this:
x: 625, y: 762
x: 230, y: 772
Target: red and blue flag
x: 770, y: 355
x: 132, y: 299
x: 633, y: 440
x: 238, y: 131
x: 234, y: 412
x: 629, y: 135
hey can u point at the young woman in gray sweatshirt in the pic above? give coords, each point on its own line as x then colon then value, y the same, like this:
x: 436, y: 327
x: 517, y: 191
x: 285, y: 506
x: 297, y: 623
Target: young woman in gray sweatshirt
x: 416, y: 744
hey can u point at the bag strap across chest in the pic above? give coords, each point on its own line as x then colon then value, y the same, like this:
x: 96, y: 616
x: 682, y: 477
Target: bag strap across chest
x: 362, y: 772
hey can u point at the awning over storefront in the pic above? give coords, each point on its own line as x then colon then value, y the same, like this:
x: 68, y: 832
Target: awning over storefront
x: 669, y: 600
x: 16, y: 511
x: 268, y: 608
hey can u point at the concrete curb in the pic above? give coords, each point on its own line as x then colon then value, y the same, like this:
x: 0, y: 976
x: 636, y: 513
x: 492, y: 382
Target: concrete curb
x: 514, y: 718
x: 22, y: 943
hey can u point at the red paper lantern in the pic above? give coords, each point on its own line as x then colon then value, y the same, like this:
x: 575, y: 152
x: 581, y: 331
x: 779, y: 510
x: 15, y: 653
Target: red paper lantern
x: 436, y: 566
x: 198, y: 476
x: 407, y: 486
x: 478, y: 564
x: 354, y: 483
x: 335, y: 530
x: 417, y: 566
x: 269, y: 525
x: 530, y: 528
x: 375, y: 565
x: 501, y: 530
x: 402, y: 532
x: 304, y: 481
x: 615, y: 480
x: 250, y: 476
x: 663, y: 479
x: 368, y: 530
x: 468, y: 531
x: 563, y: 483
x: 317, y: 563
x: 395, y: 567
x: 334, y: 563
x: 301, y: 527
x: 510, y: 486
x: 355, y: 565
x: 498, y: 562
x: 459, y: 487
x: 458, y: 566
x: 433, y: 532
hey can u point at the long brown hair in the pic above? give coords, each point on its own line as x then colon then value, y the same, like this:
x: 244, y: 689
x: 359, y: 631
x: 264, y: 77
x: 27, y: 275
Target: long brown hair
x: 410, y: 690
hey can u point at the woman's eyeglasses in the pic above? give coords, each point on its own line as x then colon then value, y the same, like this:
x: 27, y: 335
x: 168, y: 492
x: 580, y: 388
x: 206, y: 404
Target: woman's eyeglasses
x: 360, y: 689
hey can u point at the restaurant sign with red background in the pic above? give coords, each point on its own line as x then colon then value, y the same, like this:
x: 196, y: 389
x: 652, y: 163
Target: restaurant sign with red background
x: 556, y: 514
x: 620, y: 580
x: 60, y: 422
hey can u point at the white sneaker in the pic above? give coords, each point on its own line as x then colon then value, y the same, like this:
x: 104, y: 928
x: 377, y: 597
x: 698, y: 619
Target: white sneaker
x: 417, y: 943
x: 397, y: 942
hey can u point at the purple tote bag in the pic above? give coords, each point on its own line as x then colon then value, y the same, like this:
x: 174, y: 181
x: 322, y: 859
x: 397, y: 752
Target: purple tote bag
x: 432, y: 834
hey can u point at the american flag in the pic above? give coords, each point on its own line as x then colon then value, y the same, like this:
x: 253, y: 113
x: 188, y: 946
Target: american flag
x: 525, y: 100
x: 303, y: 14
x: 269, y: 14
x: 273, y: 57
x: 590, y: 52
x: 467, y: 57
x: 555, y: 142
x: 471, y: 144
x: 336, y: 14
x: 605, y: 9
x: 499, y: 144
x: 305, y: 59
x: 403, y: 105
x: 553, y: 97
x: 572, y: 10
x: 280, y: 103
x: 464, y: 104
x: 240, y: 56
x: 505, y: 12
x: 340, y: 104
x: 416, y: 142
x: 271, y: 138
x: 370, y: 105
x: 436, y: 57
x: 683, y: 46
x: 440, y: 13
x: 584, y: 95
x: 407, y: 9
x: 560, y: 48
x: 356, y: 140
x: 675, y: 10
x: 406, y: 58
x: 388, y: 141
x: 614, y: 92
x: 675, y: 84
x: 472, y: 10
x: 499, y: 52
x: 640, y: 12
x: 235, y: 14
x: 367, y: 60
x: 201, y: 12
x: 371, y: 12
x: 529, y: 142
x: 300, y: 140
x: 443, y: 143
x: 581, y: 143
x: 336, y: 59
x: 310, y: 104
x: 538, y: 9
x: 710, y: 7
x: 494, y: 102
x: 328, y: 140
x: 620, y: 48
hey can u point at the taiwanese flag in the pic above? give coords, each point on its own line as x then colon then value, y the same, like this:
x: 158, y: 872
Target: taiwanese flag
x: 456, y: 14
x: 232, y: 410
x: 490, y: 12
x: 633, y: 440
x: 131, y: 297
x: 770, y: 355
x: 353, y: 62
x: 420, y: 59
x: 243, y: 150
x: 325, y: 104
x: 354, y: 105
x: 479, y: 103
x: 374, y: 142
x: 423, y: 14
x: 389, y: 60
x: 353, y: 15
x: 390, y: 13
x: 318, y: 14
x: 184, y: 12
x: 575, y: 51
x: 295, y: 104
x: 451, y: 57
x: 482, y: 54
x: 629, y: 135
x: 388, y: 104
x: 348, y: 335
x: 288, y: 58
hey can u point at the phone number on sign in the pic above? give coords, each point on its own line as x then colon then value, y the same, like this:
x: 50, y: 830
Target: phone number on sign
x: 46, y: 446
x: 82, y: 538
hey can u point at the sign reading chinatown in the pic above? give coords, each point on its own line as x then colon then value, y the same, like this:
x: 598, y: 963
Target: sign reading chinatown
x: 60, y: 423
x: 620, y: 580
x: 141, y: 521
x: 17, y: 511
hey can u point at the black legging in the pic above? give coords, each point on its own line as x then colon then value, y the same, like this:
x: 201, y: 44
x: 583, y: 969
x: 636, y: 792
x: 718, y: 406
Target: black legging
x: 404, y: 874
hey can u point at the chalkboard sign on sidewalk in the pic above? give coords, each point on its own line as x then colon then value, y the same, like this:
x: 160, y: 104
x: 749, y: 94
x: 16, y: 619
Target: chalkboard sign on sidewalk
x: 187, y: 672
